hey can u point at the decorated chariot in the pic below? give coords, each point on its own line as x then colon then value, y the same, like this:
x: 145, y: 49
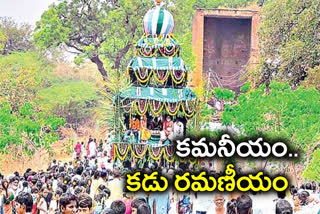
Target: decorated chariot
x: 158, y: 104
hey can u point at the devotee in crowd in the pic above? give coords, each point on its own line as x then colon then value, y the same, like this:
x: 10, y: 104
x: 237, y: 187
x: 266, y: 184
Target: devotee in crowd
x: 283, y: 207
x: 23, y: 203
x: 244, y: 205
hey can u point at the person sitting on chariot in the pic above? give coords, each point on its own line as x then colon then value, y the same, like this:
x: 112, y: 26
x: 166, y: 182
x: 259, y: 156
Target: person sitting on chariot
x: 167, y: 132
x: 134, y: 129
x: 145, y: 132
x: 178, y: 129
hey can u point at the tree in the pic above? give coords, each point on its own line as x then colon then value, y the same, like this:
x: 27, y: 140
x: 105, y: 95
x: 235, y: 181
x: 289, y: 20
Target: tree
x: 27, y: 130
x: 21, y: 76
x: 110, y: 109
x: 312, y: 171
x: 15, y: 37
x: 289, y: 41
x: 88, y: 28
x: 225, y: 3
x: 2, y: 40
x: 224, y: 94
x: 72, y: 100
x: 313, y: 78
x: 280, y: 112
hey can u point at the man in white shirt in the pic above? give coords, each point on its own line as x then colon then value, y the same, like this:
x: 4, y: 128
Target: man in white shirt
x: 92, y: 148
x: 178, y: 129
x: 219, y: 202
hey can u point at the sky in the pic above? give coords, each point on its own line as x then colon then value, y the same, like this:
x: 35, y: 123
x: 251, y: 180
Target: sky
x: 28, y: 11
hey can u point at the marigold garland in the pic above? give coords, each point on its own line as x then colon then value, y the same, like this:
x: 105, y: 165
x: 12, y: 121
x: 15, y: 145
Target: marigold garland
x: 169, y: 158
x: 174, y: 110
x: 153, y: 111
x: 157, y: 51
x: 121, y: 157
x: 163, y: 152
x: 177, y: 82
x: 148, y: 106
x: 156, y: 77
x: 139, y: 156
x: 156, y: 158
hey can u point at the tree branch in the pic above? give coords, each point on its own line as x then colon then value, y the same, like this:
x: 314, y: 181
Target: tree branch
x: 99, y: 63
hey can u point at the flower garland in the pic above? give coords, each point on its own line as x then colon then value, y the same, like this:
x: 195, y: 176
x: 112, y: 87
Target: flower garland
x: 142, y: 105
x: 191, y: 160
x: 161, y: 79
x: 155, y: 153
x: 156, y: 105
x: 187, y: 114
x: 177, y: 82
x: 176, y: 76
x: 172, y: 108
x: 143, y: 72
x: 138, y: 75
x: 147, y: 51
x: 122, y: 157
x: 170, y: 151
x: 122, y: 148
x: 168, y: 157
x: 166, y: 53
x: 156, y: 157
x: 167, y: 41
x: 158, y: 51
x: 139, y: 154
x: 172, y: 111
x: 126, y: 106
x: 188, y: 106
x: 152, y: 53
x: 154, y: 110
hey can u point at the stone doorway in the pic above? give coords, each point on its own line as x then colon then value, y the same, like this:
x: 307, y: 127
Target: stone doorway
x: 226, y: 51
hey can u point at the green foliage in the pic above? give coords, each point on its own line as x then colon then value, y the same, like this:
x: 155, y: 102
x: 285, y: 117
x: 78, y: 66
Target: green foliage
x: 224, y: 94
x: 21, y: 76
x: 226, y: 3
x: 100, y: 38
x: 14, y: 36
x: 111, y: 110
x: 312, y: 172
x: 67, y: 92
x: 27, y: 129
x: 246, y: 87
x: 73, y: 100
x: 52, y: 33
x: 204, y: 113
x: 280, y: 112
x: 68, y: 146
x: 313, y: 79
x: 289, y: 40
x: 105, y: 43
x: 3, y: 40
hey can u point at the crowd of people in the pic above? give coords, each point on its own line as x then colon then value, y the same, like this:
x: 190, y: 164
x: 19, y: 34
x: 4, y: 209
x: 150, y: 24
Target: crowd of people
x: 92, y: 183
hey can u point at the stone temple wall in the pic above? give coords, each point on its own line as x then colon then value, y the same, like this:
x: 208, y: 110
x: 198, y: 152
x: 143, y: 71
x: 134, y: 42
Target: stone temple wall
x: 225, y: 41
